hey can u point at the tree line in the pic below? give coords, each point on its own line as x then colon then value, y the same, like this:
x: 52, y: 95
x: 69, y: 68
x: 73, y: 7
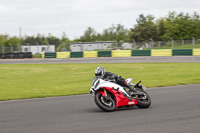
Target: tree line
x: 179, y: 26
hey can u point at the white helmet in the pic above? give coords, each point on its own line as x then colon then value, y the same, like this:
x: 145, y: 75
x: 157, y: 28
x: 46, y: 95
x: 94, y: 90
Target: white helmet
x: 100, y: 71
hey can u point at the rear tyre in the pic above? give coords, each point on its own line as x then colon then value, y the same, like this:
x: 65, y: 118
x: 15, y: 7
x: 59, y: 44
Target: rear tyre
x: 144, y: 103
x: 103, y: 103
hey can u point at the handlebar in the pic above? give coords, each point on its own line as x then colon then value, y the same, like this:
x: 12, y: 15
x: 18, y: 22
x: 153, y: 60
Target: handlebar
x: 138, y: 83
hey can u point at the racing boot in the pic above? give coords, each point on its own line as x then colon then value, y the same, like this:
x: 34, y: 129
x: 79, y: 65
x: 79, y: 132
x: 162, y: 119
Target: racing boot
x: 128, y: 96
x: 135, y: 91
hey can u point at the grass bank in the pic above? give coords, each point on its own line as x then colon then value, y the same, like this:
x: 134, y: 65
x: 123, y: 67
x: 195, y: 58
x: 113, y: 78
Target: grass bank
x: 19, y: 81
x: 178, y: 47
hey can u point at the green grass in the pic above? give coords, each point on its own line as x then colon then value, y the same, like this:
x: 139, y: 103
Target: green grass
x: 46, y: 80
x: 37, y: 55
x: 179, y: 47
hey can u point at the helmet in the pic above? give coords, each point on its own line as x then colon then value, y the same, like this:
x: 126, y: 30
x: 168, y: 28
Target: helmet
x: 100, y: 71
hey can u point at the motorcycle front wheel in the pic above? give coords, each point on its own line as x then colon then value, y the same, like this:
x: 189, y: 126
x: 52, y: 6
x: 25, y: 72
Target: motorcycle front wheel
x: 143, y: 103
x: 105, y: 103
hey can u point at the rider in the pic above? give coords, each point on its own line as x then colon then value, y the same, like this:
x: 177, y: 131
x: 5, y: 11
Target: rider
x: 101, y: 72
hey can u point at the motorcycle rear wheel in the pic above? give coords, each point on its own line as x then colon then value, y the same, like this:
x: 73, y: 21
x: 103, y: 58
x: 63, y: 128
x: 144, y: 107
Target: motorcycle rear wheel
x: 104, y: 104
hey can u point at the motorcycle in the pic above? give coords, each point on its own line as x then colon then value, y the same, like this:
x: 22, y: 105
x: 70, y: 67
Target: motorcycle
x: 108, y: 95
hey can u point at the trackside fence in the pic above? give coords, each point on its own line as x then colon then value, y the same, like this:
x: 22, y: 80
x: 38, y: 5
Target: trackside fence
x: 124, y: 53
x: 141, y: 53
x: 178, y: 52
x: 112, y: 53
x: 104, y: 54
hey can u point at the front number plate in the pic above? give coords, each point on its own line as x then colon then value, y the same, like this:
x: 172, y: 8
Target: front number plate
x: 131, y: 102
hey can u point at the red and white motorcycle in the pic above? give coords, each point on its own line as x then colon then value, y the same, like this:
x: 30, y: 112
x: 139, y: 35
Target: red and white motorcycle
x: 108, y: 95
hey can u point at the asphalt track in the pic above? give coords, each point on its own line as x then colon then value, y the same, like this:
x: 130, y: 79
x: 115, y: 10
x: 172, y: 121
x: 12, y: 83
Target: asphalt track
x: 174, y: 109
x: 137, y: 59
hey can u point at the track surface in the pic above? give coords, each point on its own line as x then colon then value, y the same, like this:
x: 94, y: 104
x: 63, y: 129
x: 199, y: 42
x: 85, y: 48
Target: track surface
x: 173, y: 110
x: 104, y: 60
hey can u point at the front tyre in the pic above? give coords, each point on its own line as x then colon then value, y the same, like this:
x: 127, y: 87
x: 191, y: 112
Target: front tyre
x: 104, y: 103
x: 144, y: 101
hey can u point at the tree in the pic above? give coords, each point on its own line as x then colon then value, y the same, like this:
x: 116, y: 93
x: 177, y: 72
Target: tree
x: 144, y: 29
x: 89, y: 35
x: 44, y: 40
x: 3, y: 38
x: 52, y: 39
x: 32, y: 40
x: 161, y: 30
x: 195, y: 25
x: 13, y: 40
x: 182, y: 26
x: 64, y: 42
x: 115, y: 33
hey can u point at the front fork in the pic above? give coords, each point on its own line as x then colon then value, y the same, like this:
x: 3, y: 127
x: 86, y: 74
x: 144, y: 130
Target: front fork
x: 105, y: 92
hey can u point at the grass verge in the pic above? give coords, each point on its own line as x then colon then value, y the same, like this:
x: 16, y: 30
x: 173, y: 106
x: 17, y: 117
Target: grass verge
x: 19, y: 81
x: 179, y: 47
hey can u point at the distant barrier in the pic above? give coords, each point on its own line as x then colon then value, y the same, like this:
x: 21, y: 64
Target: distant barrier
x: 104, y: 54
x: 196, y: 52
x: 125, y: 53
x: 90, y: 54
x: 113, y: 53
x: 161, y: 52
x: 42, y: 55
x: 76, y: 54
x: 50, y: 55
x: 141, y: 52
x: 121, y: 53
x: 63, y: 54
x: 19, y: 55
x: 182, y: 52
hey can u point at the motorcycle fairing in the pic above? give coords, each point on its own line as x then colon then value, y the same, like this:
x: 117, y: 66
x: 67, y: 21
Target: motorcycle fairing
x: 129, y: 80
x: 101, y: 83
x: 121, y: 100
